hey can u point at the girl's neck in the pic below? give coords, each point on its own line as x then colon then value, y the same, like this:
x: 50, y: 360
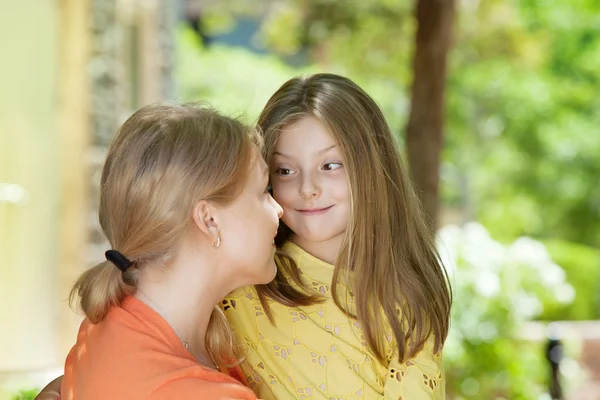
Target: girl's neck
x: 326, y: 250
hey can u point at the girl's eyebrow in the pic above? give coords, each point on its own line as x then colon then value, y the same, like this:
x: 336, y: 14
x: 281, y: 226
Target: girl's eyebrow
x: 325, y: 150
x: 276, y: 153
x: 319, y: 153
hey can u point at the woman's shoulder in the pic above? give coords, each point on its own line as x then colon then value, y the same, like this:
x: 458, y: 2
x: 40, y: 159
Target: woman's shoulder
x: 204, y: 383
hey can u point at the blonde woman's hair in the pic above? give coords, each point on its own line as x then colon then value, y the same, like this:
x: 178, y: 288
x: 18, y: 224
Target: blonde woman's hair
x: 399, y: 280
x: 163, y: 160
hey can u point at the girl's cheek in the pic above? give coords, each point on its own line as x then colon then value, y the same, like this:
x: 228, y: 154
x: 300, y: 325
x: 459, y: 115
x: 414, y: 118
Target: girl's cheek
x: 279, y: 194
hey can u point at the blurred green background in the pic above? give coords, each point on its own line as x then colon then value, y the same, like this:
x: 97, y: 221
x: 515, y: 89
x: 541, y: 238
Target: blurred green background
x: 519, y: 194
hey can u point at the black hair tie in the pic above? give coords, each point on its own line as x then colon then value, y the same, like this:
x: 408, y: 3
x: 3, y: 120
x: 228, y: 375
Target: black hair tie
x: 118, y: 259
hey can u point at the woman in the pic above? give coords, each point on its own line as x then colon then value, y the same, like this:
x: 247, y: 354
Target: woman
x: 185, y: 206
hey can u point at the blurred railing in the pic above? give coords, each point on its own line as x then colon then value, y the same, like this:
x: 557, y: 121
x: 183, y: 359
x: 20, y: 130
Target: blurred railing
x: 559, y: 338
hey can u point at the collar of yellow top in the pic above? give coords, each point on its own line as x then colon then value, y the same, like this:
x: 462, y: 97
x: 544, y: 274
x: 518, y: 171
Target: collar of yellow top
x: 313, y: 267
x: 316, y: 272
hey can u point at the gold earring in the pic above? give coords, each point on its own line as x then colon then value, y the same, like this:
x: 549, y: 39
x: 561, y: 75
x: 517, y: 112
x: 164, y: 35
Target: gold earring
x: 216, y: 246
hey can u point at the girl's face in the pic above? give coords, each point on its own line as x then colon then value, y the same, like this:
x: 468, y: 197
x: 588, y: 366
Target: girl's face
x: 310, y: 183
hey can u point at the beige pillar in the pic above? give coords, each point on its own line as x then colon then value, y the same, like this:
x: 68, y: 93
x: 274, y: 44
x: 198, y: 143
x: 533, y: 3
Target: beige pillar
x: 43, y: 216
x: 30, y: 186
x: 74, y: 134
x: 150, y: 89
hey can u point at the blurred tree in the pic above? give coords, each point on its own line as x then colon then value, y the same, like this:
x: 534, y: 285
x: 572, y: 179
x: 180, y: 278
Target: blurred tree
x: 424, y: 133
x: 521, y: 139
x: 523, y: 123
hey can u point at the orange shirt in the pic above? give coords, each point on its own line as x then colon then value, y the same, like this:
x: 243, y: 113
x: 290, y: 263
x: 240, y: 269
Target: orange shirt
x: 134, y: 354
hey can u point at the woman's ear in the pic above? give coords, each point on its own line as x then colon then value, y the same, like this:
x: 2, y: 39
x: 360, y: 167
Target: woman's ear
x: 205, y: 220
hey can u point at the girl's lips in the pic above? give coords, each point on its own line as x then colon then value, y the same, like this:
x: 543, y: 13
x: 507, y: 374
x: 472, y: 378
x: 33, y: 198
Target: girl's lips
x: 314, y: 211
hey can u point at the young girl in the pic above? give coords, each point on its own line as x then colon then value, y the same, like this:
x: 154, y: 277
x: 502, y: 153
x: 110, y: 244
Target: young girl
x: 360, y: 305
x: 184, y: 205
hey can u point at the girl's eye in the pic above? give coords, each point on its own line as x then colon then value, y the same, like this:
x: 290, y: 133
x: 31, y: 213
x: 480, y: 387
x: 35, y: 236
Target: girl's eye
x: 283, y: 171
x: 332, y: 166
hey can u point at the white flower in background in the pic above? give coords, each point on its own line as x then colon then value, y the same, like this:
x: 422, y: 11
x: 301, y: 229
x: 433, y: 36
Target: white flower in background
x: 527, y: 305
x: 565, y: 293
x: 448, y: 243
x: 552, y: 275
x: 497, y: 289
x: 484, y: 269
x: 529, y: 251
x: 487, y: 331
x: 487, y: 284
x: 479, y: 249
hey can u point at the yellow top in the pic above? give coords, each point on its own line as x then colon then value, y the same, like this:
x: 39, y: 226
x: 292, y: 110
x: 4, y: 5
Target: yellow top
x: 317, y: 352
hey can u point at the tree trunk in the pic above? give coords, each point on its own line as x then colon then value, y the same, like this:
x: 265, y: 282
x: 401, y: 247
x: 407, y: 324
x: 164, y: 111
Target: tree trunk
x: 424, y: 133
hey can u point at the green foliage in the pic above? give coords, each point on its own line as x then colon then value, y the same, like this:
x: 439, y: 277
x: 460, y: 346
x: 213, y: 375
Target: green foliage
x: 497, y: 290
x: 239, y: 82
x: 234, y: 81
x: 582, y: 267
x: 523, y: 92
x: 26, y: 394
